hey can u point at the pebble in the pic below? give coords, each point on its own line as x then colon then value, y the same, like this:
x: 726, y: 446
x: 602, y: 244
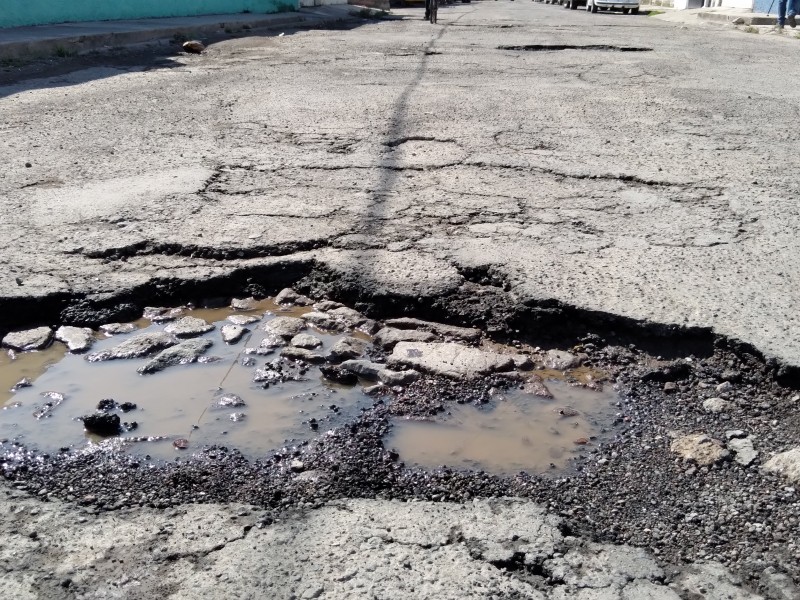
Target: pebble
x: 716, y: 405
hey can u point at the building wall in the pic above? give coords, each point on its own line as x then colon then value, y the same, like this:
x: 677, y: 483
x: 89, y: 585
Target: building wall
x: 16, y: 13
x: 748, y: 4
x: 766, y: 7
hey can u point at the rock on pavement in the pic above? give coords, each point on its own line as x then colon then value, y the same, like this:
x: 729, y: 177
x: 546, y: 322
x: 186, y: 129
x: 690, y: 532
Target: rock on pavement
x: 30, y: 339
x: 388, y: 337
x: 786, y: 464
x: 77, y: 339
x: 466, y: 334
x: 140, y: 345
x: 448, y: 359
x: 285, y: 327
x: 181, y: 354
x: 232, y: 333
x: 188, y: 327
x: 347, y: 348
x: 699, y: 448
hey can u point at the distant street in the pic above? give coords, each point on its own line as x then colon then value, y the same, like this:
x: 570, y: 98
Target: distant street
x: 657, y: 183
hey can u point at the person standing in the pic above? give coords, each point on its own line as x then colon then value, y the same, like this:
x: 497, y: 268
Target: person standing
x: 787, y: 12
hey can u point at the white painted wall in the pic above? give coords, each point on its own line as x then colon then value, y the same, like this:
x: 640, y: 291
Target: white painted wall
x: 748, y: 4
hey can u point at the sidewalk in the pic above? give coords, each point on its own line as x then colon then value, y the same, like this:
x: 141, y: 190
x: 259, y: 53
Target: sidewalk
x: 734, y: 16
x: 67, y: 39
x: 737, y: 16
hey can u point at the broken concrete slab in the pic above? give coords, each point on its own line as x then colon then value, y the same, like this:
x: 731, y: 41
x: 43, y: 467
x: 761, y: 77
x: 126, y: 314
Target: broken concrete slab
x: 305, y: 340
x: 448, y: 359
x: 449, y: 332
x: 438, y: 550
x: 338, y: 319
x: 347, y: 348
x: 29, y: 339
x: 364, y: 368
x: 243, y: 320
x: 388, y: 337
x: 303, y: 354
x: 118, y: 328
x: 603, y: 566
x: 561, y: 360
x: 711, y: 581
x: 232, y: 333
x: 289, y: 296
x: 249, y: 303
x: 716, y: 405
x: 699, y: 448
x: 77, y: 339
x: 391, y: 378
x: 267, y: 345
x: 533, y: 384
x: 187, y: 327
x: 285, y: 327
x: 162, y: 314
x: 744, y: 453
x: 140, y: 345
x: 184, y: 353
x: 786, y: 464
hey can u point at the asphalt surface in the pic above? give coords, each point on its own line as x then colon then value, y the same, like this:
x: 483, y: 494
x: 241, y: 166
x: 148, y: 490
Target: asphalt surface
x: 658, y: 185
x: 619, y: 165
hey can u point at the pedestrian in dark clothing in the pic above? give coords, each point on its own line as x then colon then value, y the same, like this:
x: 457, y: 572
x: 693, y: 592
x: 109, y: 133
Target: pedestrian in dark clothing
x: 787, y: 13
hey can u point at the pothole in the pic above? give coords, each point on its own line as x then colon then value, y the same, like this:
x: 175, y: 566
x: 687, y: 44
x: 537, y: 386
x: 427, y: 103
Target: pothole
x: 243, y: 395
x: 293, y: 373
x: 558, y: 47
x: 515, y: 431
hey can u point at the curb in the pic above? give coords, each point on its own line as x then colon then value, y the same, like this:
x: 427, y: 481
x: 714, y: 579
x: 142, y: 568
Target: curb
x: 70, y: 45
x: 739, y: 19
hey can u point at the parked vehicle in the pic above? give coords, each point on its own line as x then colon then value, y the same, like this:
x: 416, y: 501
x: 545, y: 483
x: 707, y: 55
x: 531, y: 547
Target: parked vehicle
x: 573, y: 4
x: 626, y: 6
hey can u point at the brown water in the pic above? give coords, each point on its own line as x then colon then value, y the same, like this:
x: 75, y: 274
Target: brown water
x: 177, y: 402
x: 515, y: 432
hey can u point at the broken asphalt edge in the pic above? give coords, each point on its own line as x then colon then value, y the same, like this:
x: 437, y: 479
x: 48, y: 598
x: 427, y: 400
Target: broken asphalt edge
x: 751, y: 19
x: 500, y: 312
x: 69, y: 39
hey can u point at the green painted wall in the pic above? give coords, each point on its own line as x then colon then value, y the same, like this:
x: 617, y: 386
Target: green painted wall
x: 15, y: 13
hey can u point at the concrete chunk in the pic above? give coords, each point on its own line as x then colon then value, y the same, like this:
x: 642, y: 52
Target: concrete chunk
x: 699, y: 448
x: 77, y: 339
x: 181, y: 354
x: 140, y: 345
x: 388, y: 337
x: 187, y: 327
x: 30, y: 339
x: 448, y: 359
x: 786, y: 464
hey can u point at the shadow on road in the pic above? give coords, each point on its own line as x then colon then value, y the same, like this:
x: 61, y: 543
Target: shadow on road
x: 58, y: 72
x: 398, y: 131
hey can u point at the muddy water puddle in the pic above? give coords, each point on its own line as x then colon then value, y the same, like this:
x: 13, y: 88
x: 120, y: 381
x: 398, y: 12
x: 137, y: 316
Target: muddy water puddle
x: 179, y: 403
x: 514, y: 432
x: 217, y: 401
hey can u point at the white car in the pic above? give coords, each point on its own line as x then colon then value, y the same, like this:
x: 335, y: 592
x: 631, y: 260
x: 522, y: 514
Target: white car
x: 626, y: 6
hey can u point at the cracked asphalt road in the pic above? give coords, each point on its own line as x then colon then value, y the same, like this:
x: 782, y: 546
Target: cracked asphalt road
x: 349, y: 549
x: 658, y: 185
